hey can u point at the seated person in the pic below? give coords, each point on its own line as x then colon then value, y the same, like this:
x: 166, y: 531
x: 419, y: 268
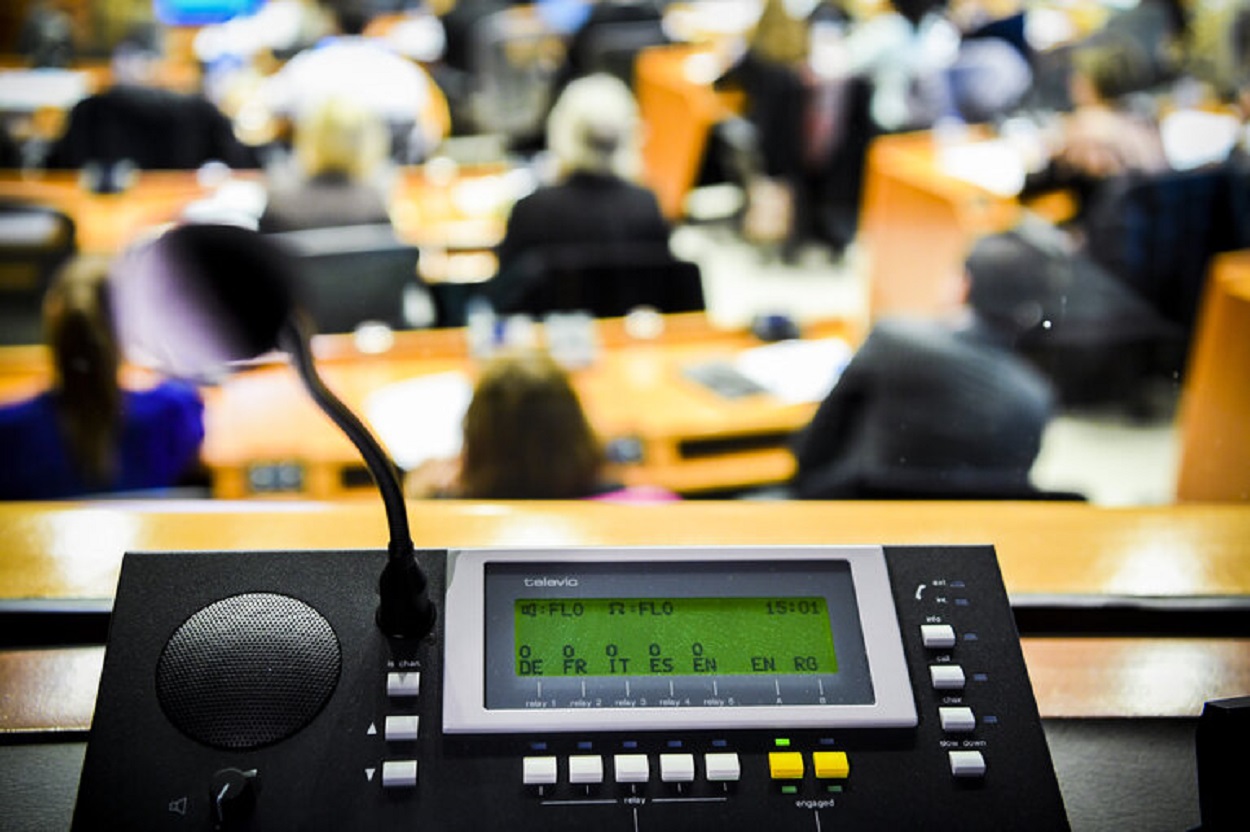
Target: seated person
x: 89, y: 435
x: 593, y: 133
x: 137, y: 122
x: 525, y: 437
x: 350, y: 64
x: 1101, y: 137
x: 931, y: 408
x: 581, y: 58
x: 340, y: 149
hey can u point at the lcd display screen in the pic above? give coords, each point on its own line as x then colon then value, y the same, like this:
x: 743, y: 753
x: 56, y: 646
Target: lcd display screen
x: 649, y: 637
x: 673, y: 635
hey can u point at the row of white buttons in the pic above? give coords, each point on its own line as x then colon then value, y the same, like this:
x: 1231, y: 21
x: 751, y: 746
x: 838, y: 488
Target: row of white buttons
x: 400, y: 774
x: 954, y: 720
x: 630, y: 768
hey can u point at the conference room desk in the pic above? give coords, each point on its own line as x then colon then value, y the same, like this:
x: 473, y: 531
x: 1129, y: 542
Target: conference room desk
x: 1215, y: 399
x: 679, y: 105
x: 1118, y: 707
x: 918, y: 220
x: 677, y: 433
x: 265, y: 436
x: 448, y: 211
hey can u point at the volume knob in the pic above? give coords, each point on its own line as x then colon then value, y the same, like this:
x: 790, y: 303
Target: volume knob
x: 232, y: 794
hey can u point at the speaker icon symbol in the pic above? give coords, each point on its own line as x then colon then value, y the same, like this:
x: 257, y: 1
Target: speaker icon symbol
x: 178, y: 806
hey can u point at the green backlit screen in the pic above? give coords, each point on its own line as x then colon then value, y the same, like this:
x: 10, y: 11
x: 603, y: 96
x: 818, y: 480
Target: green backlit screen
x: 673, y: 636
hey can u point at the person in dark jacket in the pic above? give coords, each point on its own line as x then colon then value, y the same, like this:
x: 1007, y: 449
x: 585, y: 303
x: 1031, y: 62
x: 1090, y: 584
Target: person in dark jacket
x: 937, y: 408
x: 592, y: 131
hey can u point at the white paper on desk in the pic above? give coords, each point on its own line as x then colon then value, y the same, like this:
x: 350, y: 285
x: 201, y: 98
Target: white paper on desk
x: 420, y: 418
x: 796, y: 372
x: 994, y: 165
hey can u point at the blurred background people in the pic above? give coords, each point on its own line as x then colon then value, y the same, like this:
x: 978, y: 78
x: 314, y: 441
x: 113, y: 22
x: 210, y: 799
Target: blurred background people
x: 525, y: 437
x: 929, y: 408
x: 337, y: 175
x: 139, y: 123
x: 88, y: 434
x: 365, y: 69
x: 593, y: 135
x: 810, y: 127
x: 1103, y: 135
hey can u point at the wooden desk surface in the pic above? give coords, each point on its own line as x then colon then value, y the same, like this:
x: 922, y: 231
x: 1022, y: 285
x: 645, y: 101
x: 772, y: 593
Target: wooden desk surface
x: 74, y: 551
x: 678, y: 106
x: 463, y: 208
x: 918, y: 222
x: 692, y: 439
x: 1215, y: 398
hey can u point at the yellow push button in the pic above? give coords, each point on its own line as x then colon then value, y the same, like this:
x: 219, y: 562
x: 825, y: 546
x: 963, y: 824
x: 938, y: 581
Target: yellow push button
x: 831, y: 765
x: 785, y: 765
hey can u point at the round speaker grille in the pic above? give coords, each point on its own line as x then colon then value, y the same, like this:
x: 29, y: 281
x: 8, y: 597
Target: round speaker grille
x: 248, y: 670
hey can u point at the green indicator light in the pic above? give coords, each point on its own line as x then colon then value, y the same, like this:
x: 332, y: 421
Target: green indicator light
x: 781, y: 742
x: 834, y: 789
x: 789, y: 789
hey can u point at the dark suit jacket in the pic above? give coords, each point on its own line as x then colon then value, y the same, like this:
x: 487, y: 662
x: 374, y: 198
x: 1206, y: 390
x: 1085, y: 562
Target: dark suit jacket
x: 921, y: 403
x: 153, y: 128
x: 586, y: 209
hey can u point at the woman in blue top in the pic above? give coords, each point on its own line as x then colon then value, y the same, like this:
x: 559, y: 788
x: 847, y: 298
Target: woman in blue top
x: 88, y: 435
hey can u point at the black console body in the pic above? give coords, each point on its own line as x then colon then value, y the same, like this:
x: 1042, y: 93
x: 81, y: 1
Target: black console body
x: 217, y: 715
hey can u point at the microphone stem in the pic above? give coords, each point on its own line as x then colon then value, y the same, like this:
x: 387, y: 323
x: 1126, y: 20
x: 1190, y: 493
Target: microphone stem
x: 294, y: 340
x: 405, y: 609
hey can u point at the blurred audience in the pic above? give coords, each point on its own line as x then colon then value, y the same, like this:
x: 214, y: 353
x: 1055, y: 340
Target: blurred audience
x: 89, y: 435
x: 593, y: 134
x: 525, y: 437
x: 801, y: 157
x: 340, y: 154
x: 1102, y: 136
x: 46, y: 38
x: 348, y: 64
x: 138, y: 123
x: 937, y: 408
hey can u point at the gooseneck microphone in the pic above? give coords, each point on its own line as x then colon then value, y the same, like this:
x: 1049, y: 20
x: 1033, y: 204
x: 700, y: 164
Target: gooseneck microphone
x: 404, y: 609
x: 198, y: 302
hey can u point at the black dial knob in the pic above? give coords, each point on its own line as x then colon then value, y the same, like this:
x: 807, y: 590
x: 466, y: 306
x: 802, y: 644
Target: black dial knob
x: 232, y: 794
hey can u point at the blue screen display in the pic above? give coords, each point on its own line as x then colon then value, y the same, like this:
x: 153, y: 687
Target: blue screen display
x: 202, y: 12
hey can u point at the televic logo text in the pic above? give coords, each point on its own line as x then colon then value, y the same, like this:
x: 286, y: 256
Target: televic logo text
x: 551, y: 582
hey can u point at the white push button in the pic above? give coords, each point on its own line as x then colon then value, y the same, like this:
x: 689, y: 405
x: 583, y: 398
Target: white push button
x: 967, y: 764
x: 937, y: 636
x: 677, y: 768
x: 957, y: 720
x: 401, y: 728
x: 403, y: 684
x: 947, y: 676
x: 586, y: 768
x: 631, y: 768
x: 538, y: 771
x: 398, y: 774
x: 723, y: 767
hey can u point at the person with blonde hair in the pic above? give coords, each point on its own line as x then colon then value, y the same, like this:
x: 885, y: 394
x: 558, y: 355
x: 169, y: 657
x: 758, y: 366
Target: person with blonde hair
x: 340, y: 153
x: 88, y: 434
x: 593, y: 133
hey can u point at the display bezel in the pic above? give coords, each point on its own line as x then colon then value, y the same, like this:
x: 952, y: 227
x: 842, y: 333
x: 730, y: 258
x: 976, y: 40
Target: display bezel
x: 464, y: 694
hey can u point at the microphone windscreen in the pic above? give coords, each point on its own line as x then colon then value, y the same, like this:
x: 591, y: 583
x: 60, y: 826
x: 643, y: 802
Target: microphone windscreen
x: 200, y: 297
